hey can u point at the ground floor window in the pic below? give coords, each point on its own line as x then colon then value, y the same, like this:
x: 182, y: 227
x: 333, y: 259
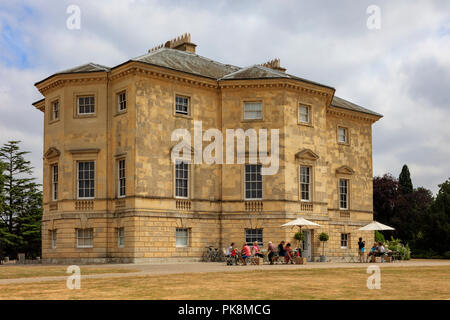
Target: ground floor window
x: 252, y: 235
x: 120, y: 237
x: 53, y: 238
x: 85, y: 238
x: 344, y: 240
x: 182, y: 237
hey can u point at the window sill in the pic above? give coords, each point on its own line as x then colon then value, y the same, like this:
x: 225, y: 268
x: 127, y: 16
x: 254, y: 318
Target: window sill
x: 183, y: 116
x: 305, y: 124
x: 85, y: 115
x: 118, y: 113
x: 252, y: 120
x: 53, y: 121
x: 344, y: 143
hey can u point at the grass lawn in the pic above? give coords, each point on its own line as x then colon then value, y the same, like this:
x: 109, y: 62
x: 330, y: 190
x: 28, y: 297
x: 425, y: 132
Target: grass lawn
x: 396, y: 283
x: 12, y: 272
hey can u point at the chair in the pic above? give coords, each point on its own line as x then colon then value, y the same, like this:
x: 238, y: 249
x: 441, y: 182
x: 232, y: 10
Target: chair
x: 349, y: 257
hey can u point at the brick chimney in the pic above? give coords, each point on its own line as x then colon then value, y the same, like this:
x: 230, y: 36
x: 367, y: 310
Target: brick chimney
x: 274, y: 64
x: 182, y: 43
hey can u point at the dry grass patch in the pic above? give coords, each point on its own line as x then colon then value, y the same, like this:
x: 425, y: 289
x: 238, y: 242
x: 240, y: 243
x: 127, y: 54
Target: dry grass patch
x: 396, y: 283
x: 13, y: 272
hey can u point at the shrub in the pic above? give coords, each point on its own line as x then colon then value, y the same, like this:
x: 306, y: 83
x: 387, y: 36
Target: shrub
x: 396, y: 246
x: 379, y: 237
x: 323, y: 236
x: 299, y: 236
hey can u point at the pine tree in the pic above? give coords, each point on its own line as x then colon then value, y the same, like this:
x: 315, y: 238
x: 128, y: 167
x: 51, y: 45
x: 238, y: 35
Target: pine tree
x: 404, y: 180
x: 21, y: 208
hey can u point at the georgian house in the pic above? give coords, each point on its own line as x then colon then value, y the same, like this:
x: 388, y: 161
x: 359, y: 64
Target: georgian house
x: 113, y: 194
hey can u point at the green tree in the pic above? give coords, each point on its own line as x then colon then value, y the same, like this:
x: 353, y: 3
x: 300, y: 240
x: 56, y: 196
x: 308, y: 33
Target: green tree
x: 21, y: 208
x: 437, y: 222
x: 404, y: 181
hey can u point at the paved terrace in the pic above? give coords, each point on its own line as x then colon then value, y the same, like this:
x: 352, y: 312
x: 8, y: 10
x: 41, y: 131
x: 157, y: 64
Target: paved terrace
x: 143, y: 270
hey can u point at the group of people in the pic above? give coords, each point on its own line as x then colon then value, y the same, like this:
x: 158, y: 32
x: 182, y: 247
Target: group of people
x: 377, y: 250
x: 283, y: 251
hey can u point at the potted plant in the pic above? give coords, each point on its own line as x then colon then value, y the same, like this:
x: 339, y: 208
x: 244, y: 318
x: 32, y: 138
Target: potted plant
x: 299, y: 236
x: 323, y: 237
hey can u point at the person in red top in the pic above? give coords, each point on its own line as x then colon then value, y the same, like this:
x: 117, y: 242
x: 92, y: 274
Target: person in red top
x: 255, y: 250
x: 288, y: 258
x: 246, y: 253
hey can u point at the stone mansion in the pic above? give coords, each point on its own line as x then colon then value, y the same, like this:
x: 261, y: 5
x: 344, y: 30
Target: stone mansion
x: 113, y: 194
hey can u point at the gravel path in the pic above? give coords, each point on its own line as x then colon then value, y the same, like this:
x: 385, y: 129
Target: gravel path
x: 199, y: 267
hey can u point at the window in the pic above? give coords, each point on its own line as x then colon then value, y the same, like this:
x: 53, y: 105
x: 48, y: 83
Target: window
x: 344, y: 240
x: 120, y: 237
x: 304, y: 114
x: 121, y: 178
x: 182, y: 105
x: 181, y: 179
x: 86, y: 105
x: 342, y: 135
x: 182, y: 237
x: 305, y: 183
x: 252, y: 110
x: 54, y: 182
x: 343, y: 193
x: 253, y: 181
x: 86, y: 179
x: 252, y: 235
x: 85, y: 238
x: 53, y: 238
x: 55, y: 110
x: 122, y: 101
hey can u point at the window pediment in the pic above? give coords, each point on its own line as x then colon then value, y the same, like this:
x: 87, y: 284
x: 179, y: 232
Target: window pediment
x: 345, y: 170
x: 306, y: 154
x: 52, y: 152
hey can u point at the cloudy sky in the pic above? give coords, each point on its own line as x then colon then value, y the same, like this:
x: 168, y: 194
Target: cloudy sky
x: 401, y: 70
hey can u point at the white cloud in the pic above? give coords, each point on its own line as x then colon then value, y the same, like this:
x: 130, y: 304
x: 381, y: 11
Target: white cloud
x: 392, y: 71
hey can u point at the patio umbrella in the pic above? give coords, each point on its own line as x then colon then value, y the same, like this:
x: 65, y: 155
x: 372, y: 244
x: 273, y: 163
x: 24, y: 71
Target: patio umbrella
x: 301, y: 222
x: 374, y: 225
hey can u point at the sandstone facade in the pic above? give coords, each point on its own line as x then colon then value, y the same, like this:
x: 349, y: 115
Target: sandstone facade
x: 141, y: 224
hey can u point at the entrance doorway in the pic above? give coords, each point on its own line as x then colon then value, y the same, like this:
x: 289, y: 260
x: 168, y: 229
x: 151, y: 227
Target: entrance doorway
x: 307, y: 244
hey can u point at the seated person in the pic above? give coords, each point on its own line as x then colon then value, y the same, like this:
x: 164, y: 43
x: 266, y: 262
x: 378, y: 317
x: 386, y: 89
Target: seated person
x: 380, y: 251
x: 298, y: 252
x: 281, y: 251
x: 288, y: 258
x: 228, y: 254
x: 255, y: 250
x: 372, y: 251
x: 271, y: 252
x: 234, y: 256
x: 245, y: 253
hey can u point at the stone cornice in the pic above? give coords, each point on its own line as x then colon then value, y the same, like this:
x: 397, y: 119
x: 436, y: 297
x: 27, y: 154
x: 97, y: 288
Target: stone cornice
x: 40, y: 105
x: 60, y: 80
x: 280, y: 83
x: 353, y: 115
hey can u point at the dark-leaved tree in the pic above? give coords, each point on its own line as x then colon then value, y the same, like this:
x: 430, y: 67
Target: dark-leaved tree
x: 404, y: 181
x: 437, y: 223
x: 21, y: 208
